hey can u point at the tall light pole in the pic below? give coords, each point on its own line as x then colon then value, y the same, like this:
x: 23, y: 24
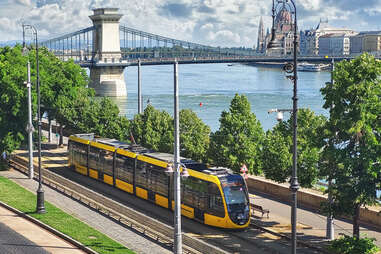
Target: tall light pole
x: 177, y: 232
x: 140, y: 101
x: 29, y: 127
x: 294, y: 185
x: 40, y: 192
x: 330, y: 231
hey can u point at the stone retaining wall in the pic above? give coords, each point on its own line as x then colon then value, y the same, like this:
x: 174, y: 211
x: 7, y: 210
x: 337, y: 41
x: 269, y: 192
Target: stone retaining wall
x: 306, y: 198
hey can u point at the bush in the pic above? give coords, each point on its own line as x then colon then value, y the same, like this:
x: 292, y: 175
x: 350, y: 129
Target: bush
x: 353, y: 245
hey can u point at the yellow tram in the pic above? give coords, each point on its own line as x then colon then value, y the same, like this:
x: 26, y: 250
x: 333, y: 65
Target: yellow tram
x: 213, y: 196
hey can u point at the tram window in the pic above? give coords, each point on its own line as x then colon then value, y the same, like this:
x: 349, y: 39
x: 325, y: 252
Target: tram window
x: 79, y: 153
x: 216, y: 206
x: 124, y: 168
x: 157, y: 180
x: 141, y: 172
x: 106, y: 158
x: 94, y: 158
x: 195, y: 192
x: 187, y: 191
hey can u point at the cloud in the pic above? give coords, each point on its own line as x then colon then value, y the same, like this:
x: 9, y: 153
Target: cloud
x: 177, y: 10
x: 23, y: 2
x: 211, y: 22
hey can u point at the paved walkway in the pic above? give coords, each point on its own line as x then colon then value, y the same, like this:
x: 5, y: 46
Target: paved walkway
x: 311, y: 226
x: 18, y: 235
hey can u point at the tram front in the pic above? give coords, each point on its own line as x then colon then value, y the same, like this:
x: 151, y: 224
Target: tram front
x: 237, y: 199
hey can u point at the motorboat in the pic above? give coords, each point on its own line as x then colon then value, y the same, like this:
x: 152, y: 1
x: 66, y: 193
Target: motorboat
x: 312, y: 67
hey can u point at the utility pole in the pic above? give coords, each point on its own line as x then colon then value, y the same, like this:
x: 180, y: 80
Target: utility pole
x: 330, y: 234
x: 140, y: 101
x: 177, y: 232
x: 29, y: 127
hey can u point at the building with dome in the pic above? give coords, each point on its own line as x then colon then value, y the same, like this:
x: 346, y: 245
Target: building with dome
x: 284, y: 31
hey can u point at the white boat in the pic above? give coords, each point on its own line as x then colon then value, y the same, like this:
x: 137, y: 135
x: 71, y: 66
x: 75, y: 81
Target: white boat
x: 312, y: 67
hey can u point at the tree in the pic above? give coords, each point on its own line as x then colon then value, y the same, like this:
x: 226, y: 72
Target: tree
x: 239, y: 138
x: 277, y: 149
x: 13, y: 98
x: 194, y: 136
x: 153, y: 129
x: 354, y: 129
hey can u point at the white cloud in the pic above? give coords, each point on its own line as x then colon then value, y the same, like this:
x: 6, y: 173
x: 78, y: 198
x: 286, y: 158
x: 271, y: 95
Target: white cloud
x: 213, y: 22
x: 23, y: 2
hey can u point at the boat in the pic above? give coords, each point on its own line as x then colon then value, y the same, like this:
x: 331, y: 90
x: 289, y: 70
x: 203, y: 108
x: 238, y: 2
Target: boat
x: 312, y: 67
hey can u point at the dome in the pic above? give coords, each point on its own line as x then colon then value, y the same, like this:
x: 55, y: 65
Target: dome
x: 283, y: 16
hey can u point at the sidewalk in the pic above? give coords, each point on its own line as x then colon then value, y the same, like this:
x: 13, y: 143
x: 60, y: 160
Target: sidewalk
x: 18, y: 235
x: 311, y: 226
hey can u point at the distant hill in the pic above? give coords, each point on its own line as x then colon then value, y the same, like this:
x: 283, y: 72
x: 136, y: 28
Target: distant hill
x: 9, y: 43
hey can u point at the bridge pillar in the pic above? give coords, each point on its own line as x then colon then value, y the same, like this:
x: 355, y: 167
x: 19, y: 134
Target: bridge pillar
x: 106, y: 76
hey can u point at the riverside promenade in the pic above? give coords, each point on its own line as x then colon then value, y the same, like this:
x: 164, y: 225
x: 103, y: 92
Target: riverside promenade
x: 311, y: 226
x: 19, y: 235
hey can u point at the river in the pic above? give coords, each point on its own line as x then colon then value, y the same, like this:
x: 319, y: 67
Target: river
x: 208, y: 89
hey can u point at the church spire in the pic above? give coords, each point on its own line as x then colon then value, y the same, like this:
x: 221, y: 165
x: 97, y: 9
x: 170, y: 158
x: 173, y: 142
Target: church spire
x: 261, y: 36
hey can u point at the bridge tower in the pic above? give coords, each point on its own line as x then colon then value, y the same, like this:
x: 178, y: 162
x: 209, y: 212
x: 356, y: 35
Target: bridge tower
x: 106, y: 74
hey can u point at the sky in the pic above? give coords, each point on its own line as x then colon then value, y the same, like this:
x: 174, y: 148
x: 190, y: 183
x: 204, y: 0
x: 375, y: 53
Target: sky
x: 231, y: 23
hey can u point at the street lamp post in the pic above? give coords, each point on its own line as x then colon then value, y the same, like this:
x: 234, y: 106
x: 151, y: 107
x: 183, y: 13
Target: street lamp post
x: 177, y: 234
x: 29, y: 127
x: 40, y: 191
x: 294, y: 185
x: 330, y: 231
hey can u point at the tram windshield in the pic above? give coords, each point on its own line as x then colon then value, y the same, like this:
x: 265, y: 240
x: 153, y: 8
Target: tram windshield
x: 235, y: 191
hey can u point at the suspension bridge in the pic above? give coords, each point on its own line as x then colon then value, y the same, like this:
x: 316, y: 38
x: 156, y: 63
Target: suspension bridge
x: 107, y: 47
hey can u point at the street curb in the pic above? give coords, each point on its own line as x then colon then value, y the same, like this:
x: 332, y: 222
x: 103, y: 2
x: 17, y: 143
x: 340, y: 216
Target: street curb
x: 50, y: 229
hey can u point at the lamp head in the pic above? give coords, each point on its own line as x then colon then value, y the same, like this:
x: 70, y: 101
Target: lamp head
x: 184, y: 173
x: 169, y: 169
x: 279, y: 116
x: 288, y: 67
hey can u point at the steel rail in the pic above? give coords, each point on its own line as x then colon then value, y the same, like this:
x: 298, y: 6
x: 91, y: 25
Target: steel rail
x: 130, y: 218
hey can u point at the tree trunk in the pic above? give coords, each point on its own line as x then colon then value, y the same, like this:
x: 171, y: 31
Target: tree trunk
x: 61, y: 135
x: 50, y: 131
x: 356, y: 225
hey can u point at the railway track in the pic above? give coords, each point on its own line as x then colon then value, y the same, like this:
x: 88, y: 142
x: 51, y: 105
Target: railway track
x: 152, y: 229
x: 196, y: 238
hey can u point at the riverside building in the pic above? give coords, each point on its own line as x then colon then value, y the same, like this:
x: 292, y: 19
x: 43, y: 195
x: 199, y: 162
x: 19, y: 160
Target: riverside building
x: 369, y: 41
x: 310, y: 39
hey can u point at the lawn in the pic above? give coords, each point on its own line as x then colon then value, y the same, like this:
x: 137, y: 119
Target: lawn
x: 25, y: 201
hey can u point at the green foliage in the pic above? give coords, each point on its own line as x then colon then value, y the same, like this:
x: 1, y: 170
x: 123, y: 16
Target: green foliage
x: 353, y: 245
x: 239, y: 138
x: 277, y: 149
x: 13, y: 98
x: 194, y: 136
x: 153, y: 129
x: 64, y: 96
x: 353, y: 147
x: 25, y: 201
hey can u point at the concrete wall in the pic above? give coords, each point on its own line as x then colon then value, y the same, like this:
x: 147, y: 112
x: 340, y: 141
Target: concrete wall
x: 307, y: 198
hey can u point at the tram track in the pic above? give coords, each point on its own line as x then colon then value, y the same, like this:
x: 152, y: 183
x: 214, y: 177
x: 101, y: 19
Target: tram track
x: 196, y: 238
x: 154, y: 230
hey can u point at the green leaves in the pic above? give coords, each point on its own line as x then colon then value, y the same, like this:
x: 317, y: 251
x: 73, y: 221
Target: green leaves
x: 194, y: 136
x: 277, y: 150
x: 239, y: 138
x: 353, y: 140
x: 353, y: 245
x: 154, y: 129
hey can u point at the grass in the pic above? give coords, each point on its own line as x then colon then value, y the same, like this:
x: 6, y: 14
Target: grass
x: 25, y: 201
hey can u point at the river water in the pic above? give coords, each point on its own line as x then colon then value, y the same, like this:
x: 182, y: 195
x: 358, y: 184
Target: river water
x: 208, y: 89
